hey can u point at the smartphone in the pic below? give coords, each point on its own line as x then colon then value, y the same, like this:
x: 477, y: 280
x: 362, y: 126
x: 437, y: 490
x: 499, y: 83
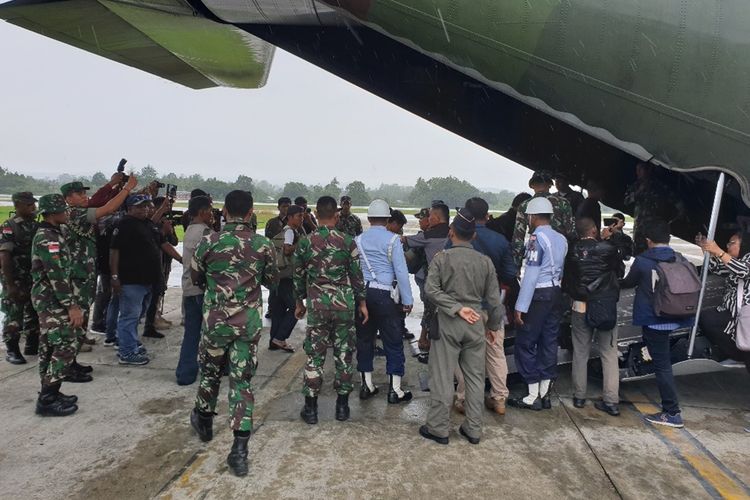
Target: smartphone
x: 611, y: 221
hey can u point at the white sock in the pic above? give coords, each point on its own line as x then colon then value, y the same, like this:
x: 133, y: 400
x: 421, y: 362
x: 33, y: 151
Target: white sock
x: 396, y: 382
x: 368, y: 381
x: 544, y: 387
x: 533, y: 394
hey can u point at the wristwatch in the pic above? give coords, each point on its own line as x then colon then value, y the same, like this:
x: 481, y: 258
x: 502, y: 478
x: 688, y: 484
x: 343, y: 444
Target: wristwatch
x: 114, y: 277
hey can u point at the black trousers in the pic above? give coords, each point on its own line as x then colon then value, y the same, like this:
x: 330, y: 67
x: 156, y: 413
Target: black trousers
x: 712, y: 324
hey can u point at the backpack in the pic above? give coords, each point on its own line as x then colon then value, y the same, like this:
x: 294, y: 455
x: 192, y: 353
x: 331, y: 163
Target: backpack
x: 283, y: 262
x: 677, y: 288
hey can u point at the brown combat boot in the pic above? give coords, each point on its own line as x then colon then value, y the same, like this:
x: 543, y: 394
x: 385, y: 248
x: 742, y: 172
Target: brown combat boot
x: 495, y: 405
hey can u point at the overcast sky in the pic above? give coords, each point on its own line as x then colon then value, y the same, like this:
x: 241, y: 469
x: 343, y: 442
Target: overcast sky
x: 67, y: 111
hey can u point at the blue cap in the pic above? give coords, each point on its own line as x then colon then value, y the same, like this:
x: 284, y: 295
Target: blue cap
x: 136, y: 199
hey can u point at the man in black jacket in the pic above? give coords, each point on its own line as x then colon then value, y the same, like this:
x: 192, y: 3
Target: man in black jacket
x: 591, y: 273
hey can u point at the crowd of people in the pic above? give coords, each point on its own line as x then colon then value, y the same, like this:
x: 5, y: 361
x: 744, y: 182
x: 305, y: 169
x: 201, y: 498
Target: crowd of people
x: 476, y: 276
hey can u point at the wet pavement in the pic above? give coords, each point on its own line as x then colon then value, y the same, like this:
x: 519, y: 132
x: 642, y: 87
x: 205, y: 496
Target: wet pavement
x: 131, y: 439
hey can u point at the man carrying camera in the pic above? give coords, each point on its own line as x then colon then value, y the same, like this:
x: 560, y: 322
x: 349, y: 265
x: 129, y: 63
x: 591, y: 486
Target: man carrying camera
x: 82, y: 242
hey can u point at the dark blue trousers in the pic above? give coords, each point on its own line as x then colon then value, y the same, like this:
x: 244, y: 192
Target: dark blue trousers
x: 658, y: 343
x: 537, y: 339
x: 187, y: 366
x: 384, y: 317
x: 283, y: 320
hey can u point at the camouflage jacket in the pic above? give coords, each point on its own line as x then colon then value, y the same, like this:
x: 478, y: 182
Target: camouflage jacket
x: 81, y: 238
x: 562, y: 222
x: 652, y: 199
x: 50, y: 264
x: 350, y: 224
x: 16, y: 237
x: 235, y: 262
x: 327, y: 271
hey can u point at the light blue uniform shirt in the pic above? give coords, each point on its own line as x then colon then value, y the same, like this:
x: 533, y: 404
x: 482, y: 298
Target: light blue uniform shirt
x: 375, y: 242
x: 545, y: 259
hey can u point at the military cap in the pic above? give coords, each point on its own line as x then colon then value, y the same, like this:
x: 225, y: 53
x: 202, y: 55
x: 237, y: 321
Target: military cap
x: 24, y: 197
x: 425, y: 212
x: 136, y: 199
x: 73, y: 187
x: 294, y: 210
x: 346, y: 197
x: 52, y: 204
x: 464, y: 221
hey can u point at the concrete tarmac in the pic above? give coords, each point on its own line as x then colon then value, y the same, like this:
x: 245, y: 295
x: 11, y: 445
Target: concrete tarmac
x: 131, y: 439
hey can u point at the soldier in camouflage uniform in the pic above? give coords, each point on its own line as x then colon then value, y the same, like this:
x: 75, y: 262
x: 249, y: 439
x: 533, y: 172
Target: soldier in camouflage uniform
x: 648, y: 199
x: 562, y: 219
x: 327, y: 274
x: 348, y: 222
x: 60, y: 317
x: 81, y: 234
x: 231, y: 265
x: 15, y: 262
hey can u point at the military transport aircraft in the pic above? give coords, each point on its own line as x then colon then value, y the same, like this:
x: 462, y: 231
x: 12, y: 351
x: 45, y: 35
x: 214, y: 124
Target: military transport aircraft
x: 584, y: 87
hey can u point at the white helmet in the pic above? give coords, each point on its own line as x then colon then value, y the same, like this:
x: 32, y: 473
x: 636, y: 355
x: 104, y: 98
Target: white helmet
x: 379, y: 208
x: 539, y: 205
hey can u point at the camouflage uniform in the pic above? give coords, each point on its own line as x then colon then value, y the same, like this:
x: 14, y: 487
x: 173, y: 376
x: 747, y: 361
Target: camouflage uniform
x: 52, y: 294
x: 327, y: 273
x: 350, y: 224
x: 236, y: 262
x: 650, y: 200
x: 15, y: 237
x: 562, y: 222
x: 81, y: 238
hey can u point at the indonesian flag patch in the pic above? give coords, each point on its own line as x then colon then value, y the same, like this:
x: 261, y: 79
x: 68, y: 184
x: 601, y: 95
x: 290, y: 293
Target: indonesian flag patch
x: 53, y: 247
x: 7, y: 230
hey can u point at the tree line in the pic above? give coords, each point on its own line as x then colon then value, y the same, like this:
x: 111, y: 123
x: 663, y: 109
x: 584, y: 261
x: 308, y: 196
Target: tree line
x: 451, y: 190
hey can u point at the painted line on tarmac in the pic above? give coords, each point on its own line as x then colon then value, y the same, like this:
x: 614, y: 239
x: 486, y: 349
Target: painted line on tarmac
x: 715, y: 477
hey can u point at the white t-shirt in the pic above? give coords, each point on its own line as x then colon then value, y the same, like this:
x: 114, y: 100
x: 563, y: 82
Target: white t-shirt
x: 289, y: 237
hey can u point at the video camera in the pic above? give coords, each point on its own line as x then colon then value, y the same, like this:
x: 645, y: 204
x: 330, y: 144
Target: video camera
x: 175, y: 216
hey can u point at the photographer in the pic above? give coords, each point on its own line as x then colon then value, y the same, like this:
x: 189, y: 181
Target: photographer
x: 310, y: 223
x: 165, y: 238
x: 613, y: 232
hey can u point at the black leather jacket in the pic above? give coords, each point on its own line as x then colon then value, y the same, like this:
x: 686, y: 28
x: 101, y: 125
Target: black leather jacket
x: 592, y: 267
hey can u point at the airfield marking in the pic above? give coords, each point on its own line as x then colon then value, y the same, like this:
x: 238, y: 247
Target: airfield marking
x: 711, y: 473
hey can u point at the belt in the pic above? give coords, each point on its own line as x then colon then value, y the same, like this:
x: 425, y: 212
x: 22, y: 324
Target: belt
x: 548, y: 284
x: 378, y: 286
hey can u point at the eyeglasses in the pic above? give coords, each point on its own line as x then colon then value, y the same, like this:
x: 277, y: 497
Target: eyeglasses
x: 733, y: 242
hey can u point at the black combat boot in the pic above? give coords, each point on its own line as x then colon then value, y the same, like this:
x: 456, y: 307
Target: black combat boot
x: 49, y: 404
x: 13, y: 354
x: 364, y: 391
x: 309, y: 412
x: 342, y: 407
x: 32, y: 344
x: 81, y: 368
x: 237, y: 458
x: 203, y: 424
x: 76, y: 377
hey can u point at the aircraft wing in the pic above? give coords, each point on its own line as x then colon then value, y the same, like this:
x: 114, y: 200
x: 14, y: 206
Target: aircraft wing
x: 171, y: 42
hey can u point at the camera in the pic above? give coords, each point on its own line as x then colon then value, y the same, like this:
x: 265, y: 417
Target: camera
x: 121, y: 169
x: 171, y: 191
x: 160, y: 184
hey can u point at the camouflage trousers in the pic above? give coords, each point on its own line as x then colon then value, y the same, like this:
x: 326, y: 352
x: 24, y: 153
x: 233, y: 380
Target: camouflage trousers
x: 19, y: 317
x: 239, y: 347
x: 329, y: 329
x: 85, y: 293
x: 58, y: 345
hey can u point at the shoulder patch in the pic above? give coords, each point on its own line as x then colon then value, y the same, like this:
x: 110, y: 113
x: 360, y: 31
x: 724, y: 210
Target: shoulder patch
x: 7, y: 230
x: 53, y: 247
